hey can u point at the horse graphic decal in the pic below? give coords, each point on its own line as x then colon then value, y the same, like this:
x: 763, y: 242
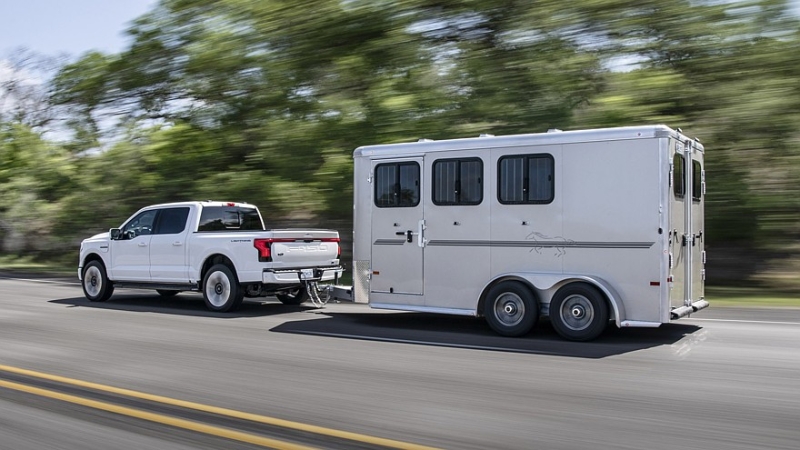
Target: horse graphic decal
x: 559, y: 243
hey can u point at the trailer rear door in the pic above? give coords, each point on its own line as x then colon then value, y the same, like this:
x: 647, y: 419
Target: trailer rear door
x: 686, y: 236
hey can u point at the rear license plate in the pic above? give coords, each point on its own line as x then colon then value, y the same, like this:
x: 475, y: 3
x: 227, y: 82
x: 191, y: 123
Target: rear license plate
x: 306, y: 274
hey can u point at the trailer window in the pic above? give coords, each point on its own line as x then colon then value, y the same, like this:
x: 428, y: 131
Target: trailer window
x: 397, y: 185
x: 697, y: 180
x: 678, y: 178
x: 458, y: 181
x: 525, y: 179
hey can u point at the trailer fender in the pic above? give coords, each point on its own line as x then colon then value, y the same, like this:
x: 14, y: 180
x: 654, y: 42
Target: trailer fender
x: 545, y: 286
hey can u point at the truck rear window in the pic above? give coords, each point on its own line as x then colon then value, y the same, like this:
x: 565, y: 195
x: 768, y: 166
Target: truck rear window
x: 229, y: 218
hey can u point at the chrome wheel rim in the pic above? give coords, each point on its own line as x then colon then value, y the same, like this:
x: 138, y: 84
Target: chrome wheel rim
x: 93, y: 281
x: 509, y: 309
x: 577, y: 312
x: 218, y: 289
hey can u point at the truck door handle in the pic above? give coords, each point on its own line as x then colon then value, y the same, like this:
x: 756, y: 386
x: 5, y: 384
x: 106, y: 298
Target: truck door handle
x: 177, y: 243
x: 142, y: 244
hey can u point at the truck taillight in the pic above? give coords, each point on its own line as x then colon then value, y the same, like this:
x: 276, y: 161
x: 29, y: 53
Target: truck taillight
x: 338, y: 246
x: 264, y: 250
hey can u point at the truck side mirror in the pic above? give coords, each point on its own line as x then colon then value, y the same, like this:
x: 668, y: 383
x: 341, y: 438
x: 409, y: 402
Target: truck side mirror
x: 115, y: 233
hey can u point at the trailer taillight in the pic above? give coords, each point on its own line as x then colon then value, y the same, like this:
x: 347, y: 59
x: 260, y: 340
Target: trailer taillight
x: 264, y: 249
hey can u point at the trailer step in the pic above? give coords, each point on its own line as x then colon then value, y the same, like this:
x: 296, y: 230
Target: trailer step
x: 683, y: 311
x: 700, y: 304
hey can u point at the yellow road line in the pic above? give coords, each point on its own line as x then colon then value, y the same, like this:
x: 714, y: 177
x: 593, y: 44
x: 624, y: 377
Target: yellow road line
x: 158, y: 418
x: 223, y: 411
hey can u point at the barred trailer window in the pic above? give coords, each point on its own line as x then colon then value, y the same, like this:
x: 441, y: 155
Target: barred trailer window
x: 678, y: 178
x: 697, y: 181
x: 397, y: 185
x: 458, y: 182
x: 526, y: 179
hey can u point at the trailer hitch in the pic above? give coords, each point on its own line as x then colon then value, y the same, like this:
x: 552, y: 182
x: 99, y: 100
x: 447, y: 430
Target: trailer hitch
x: 319, y: 294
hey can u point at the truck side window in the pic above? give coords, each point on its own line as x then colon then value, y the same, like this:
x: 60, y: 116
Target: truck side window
x: 172, y: 220
x: 525, y: 179
x: 397, y: 185
x: 139, y: 225
x: 678, y: 179
x: 458, y: 181
x: 697, y: 175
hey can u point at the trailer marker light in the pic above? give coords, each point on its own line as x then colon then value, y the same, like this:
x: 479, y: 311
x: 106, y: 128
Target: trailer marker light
x: 375, y: 272
x: 655, y: 283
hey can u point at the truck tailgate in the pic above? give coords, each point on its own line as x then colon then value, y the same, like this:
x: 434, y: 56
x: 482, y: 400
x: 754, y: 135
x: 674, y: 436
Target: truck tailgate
x: 304, y: 248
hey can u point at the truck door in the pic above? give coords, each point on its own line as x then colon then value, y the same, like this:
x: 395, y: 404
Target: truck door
x: 168, y: 249
x: 130, y: 255
x: 397, y: 230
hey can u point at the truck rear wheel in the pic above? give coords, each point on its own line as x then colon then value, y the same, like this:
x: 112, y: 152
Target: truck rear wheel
x: 511, y: 309
x: 96, y: 285
x: 294, y: 296
x: 579, y: 312
x: 221, y: 290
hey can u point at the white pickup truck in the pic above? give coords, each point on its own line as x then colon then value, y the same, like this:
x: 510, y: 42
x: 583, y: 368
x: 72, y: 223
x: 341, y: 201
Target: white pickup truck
x: 219, y: 248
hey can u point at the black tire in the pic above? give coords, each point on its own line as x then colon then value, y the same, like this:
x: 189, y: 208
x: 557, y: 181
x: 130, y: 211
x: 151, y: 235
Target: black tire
x: 167, y: 293
x: 579, y: 312
x: 96, y: 285
x: 221, y: 290
x: 511, y: 309
x: 294, y: 296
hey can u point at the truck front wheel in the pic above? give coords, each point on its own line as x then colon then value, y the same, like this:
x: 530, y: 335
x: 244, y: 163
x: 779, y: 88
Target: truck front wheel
x: 221, y: 290
x: 96, y: 286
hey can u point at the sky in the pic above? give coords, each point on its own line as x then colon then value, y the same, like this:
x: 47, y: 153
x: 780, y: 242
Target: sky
x: 55, y: 27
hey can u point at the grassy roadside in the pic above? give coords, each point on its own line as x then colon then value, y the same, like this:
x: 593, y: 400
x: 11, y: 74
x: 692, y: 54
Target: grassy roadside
x: 29, y: 264
x: 751, y: 297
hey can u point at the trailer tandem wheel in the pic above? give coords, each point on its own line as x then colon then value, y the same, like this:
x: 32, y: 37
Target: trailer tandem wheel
x: 579, y: 312
x: 511, y: 309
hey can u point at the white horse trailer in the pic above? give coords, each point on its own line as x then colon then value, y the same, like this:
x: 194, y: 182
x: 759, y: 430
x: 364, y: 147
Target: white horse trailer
x: 586, y: 227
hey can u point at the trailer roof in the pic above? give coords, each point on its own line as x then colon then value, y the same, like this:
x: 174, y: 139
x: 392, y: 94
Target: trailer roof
x: 553, y: 137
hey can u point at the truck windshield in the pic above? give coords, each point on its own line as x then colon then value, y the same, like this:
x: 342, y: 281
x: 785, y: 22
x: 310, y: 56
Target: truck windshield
x: 229, y: 218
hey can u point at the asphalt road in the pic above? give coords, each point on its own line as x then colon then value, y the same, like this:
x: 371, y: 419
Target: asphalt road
x: 349, y: 377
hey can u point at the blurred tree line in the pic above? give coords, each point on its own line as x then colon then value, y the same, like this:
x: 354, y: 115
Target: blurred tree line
x: 265, y: 100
